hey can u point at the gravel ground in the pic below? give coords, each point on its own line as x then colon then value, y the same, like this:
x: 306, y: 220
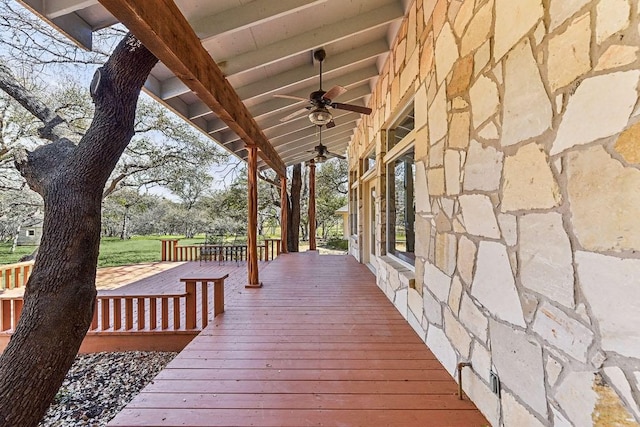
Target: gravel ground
x: 99, y: 385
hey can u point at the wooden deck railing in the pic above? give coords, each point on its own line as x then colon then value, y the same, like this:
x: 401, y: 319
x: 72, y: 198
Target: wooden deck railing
x: 172, y: 251
x: 15, y: 275
x: 10, y: 309
x: 162, y: 322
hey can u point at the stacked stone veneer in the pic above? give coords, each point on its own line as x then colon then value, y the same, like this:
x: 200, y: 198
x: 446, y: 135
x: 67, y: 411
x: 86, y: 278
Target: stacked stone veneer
x: 527, y: 198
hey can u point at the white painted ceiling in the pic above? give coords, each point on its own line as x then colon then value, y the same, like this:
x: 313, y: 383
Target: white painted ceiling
x: 265, y: 47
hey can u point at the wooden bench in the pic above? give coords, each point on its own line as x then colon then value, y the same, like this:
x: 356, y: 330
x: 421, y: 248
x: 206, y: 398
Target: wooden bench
x: 218, y: 294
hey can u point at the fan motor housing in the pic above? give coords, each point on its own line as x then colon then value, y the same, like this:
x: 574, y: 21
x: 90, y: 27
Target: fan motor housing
x: 316, y: 97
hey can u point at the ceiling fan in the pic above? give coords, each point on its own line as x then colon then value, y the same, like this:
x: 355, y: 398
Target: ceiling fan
x: 321, y: 151
x: 320, y: 101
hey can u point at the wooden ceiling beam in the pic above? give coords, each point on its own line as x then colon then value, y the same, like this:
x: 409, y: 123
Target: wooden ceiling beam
x: 165, y: 32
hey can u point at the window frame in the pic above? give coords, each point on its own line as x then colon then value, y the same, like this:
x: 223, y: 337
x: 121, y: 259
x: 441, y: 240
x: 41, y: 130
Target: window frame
x: 398, y: 149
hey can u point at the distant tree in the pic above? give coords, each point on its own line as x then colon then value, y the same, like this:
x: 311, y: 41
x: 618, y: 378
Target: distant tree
x: 331, y: 193
x: 293, y: 231
x: 164, y: 149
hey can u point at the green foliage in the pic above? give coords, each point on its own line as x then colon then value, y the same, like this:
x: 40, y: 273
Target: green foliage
x: 337, y: 244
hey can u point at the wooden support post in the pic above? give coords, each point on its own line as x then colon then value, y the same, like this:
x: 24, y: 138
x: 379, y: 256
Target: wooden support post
x: 312, y: 205
x: 252, y: 231
x: 284, y: 213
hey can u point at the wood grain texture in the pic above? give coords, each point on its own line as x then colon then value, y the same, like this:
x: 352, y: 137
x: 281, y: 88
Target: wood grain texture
x: 319, y: 344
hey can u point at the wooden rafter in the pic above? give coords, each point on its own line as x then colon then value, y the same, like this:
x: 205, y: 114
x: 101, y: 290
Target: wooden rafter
x: 165, y: 32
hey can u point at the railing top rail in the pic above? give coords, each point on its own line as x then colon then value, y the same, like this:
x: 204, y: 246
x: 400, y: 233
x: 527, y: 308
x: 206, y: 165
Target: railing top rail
x: 16, y: 264
x: 142, y: 296
x: 204, y: 279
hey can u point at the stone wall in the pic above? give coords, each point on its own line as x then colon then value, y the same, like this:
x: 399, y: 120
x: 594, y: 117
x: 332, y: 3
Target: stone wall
x: 528, y: 200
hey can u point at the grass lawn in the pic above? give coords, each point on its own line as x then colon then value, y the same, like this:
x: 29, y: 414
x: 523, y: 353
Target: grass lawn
x: 6, y: 257
x: 138, y: 249
x: 113, y: 251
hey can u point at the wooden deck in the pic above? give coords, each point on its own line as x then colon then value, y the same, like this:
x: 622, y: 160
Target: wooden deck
x: 319, y: 344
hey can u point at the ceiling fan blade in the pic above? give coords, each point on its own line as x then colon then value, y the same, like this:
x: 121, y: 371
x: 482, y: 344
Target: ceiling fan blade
x: 334, y: 92
x: 339, y: 156
x: 331, y: 124
x: 294, y: 114
x: 350, y: 107
x: 297, y: 98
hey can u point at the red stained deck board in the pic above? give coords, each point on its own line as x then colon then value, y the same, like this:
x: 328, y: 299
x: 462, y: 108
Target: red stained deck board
x: 355, y: 364
x: 299, y: 417
x: 302, y: 387
x: 319, y: 344
x: 305, y: 354
x: 271, y: 374
x: 297, y: 401
x: 302, y: 346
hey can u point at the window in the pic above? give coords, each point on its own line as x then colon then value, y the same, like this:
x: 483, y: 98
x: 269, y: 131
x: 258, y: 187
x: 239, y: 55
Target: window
x: 31, y: 232
x: 402, y: 129
x: 369, y: 162
x: 401, y: 175
x: 353, y: 203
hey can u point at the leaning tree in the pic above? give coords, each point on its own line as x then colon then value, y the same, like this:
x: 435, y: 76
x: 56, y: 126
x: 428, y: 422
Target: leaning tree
x: 70, y: 177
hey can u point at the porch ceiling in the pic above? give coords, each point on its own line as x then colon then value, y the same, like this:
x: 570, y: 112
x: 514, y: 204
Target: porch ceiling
x: 263, y: 48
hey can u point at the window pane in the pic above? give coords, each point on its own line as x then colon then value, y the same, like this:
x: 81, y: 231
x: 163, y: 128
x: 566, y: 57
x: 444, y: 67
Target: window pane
x: 401, y: 232
x: 403, y: 128
x: 370, y: 161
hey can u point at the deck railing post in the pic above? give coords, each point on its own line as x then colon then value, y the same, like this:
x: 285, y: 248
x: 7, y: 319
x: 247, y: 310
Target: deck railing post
x: 106, y: 322
x: 94, y: 320
x: 17, y: 311
x: 204, y: 301
x: 141, y: 313
x: 117, y: 314
x: 176, y: 313
x: 190, y: 309
x: 5, y: 316
x: 128, y: 314
x: 153, y: 315
x: 218, y: 297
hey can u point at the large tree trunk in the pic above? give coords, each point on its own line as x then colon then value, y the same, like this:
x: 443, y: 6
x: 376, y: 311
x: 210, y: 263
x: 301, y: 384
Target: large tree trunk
x: 293, y: 219
x: 59, y: 296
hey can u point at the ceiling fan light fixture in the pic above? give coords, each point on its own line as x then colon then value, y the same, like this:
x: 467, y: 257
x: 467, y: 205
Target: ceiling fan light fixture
x: 320, y: 116
x: 320, y: 158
